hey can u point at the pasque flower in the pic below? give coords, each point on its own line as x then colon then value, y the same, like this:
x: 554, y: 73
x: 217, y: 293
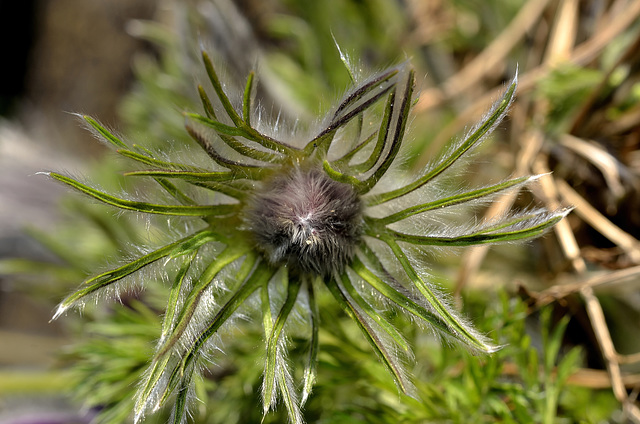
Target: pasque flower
x: 273, y: 219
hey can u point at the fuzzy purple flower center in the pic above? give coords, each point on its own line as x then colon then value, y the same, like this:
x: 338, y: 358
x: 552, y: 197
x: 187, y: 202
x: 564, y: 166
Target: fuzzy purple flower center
x: 307, y: 220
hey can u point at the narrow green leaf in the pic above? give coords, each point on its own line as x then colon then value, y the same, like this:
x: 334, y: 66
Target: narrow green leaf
x: 265, y: 304
x: 262, y: 273
x: 174, y: 191
x: 288, y: 395
x: 219, y: 127
x: 482, y: 236
x: 217, y: 86
x: 340, y: 177
x: 340, y: 118
x: 177, y: 374
x: 277, y: 371
x: 249, y: 152
x: 399, y: 126
x: 383, y: 133
x: 382, y: 82
x: 206, y: 103
x: 373, y: 314
x: 273, y: 339
x: 457, y: 327
x: 187, y: 362
x: 496, y: 115
x: 184, y: 175
x: 321, y: 143
x: 180, y: 247
x: 387, y: 358
x: 180, y: 404
x: 454, y: 200
x: 311, y: 368
x: 519, y: 220
x: 345, y: 61
x: 143, y: 397
x: 151, y: 161
x: 227, y: 134
x: 246, y: 99
x: 240, y: 170
x: 247, y: 266
x: 244, y: 129
x: 174, y: 294
x: 233, y: 189
x: 143, y: 149
x: 106, y: 134
x: 229, y: 255
x: 346, y: 118
x: 396, y: 296
x: 551, y: 344
x: 352, y: 77
x: 181, y: 210
x: 399, y: 120
x: 349, y: 155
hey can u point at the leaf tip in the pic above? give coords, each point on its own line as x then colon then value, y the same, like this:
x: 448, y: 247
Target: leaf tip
x: 491, y: 348
x: 61, y: 309
x: 563, y: 212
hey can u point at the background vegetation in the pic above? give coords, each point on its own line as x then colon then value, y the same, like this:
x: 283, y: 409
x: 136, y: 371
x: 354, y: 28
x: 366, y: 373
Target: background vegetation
x: 566, y: 307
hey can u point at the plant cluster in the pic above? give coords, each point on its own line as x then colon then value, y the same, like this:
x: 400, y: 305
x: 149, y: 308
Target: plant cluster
x: 272, y: 220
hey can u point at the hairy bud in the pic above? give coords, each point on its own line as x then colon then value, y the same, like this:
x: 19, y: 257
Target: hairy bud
x: 307, y: 220
x: 304, y: 210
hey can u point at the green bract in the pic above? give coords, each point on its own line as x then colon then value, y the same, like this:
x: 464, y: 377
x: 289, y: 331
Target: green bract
x: 276, y: 228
